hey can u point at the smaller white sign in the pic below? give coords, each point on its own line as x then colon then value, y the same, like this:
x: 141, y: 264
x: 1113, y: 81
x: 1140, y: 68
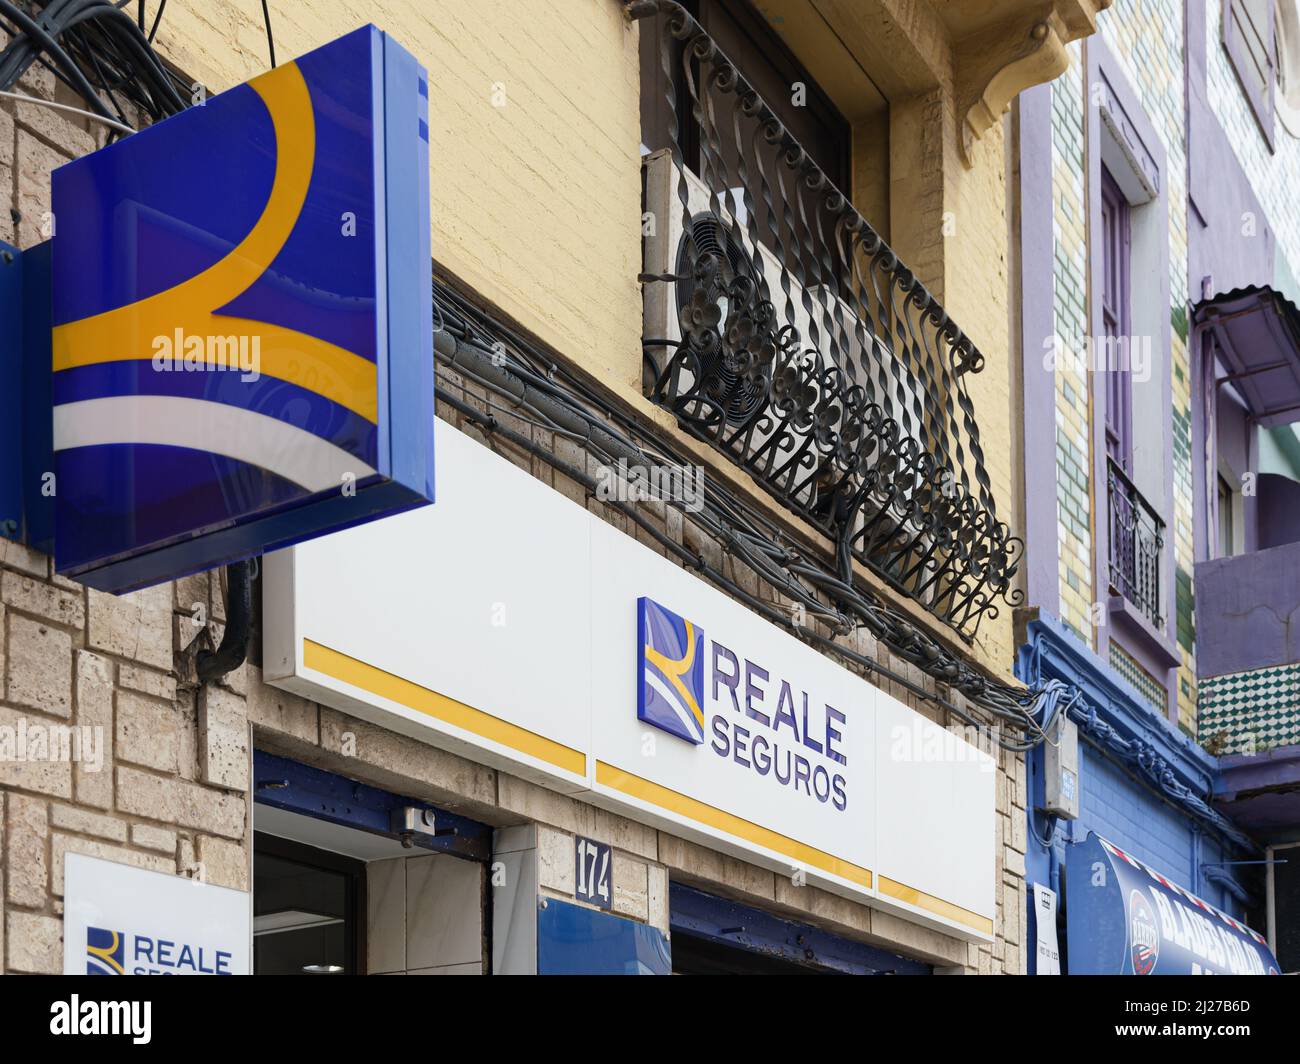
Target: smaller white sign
x: 1049, y: 957
x: 120, y: 920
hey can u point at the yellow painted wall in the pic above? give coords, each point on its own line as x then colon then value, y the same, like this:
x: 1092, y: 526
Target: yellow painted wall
x: 536, y: 191
x: 534, y: 145
x: 975, y: 294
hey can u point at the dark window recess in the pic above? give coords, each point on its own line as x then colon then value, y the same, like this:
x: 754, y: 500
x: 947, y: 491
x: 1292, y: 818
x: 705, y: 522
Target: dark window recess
x: 1116, y: 322
x: 1286, y: 892
x: 1227, y: 529
x: 699, y: 956
x: 1250, y: 40
x: 306, y: 906
x: 771, y: 70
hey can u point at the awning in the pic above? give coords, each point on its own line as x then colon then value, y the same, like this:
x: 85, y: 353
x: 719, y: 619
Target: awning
x: 1258, y: 333
x: 1123, y: 918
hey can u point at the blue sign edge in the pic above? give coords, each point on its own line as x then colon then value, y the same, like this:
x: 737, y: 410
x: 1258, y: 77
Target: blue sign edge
x: 26, y: 411
x: 409, y: 273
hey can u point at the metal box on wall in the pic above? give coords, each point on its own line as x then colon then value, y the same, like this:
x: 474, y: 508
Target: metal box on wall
x: 242, y: 321
x: 1061, y: 769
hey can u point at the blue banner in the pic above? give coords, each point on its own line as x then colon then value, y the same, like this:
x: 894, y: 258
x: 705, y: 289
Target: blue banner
x: 1123, y: 918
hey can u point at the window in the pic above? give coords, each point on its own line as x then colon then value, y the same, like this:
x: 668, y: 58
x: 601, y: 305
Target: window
x: 1227, y: 519
x: 1249, y: 39
x: 774, y: 72
x: 1116, y: 245
x: 1287, y: 99
x: 770, y: 67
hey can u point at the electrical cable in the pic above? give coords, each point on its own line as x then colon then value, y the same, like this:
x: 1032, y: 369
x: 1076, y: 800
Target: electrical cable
x: 157, y: 18
x: 493, y: 355
x: 98, y: 49
x: 122, y: 127
x: 270, y: 41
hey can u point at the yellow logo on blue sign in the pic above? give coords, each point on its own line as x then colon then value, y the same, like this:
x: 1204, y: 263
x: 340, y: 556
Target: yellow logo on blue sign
x: 671, y: 670
x: 104, y: 952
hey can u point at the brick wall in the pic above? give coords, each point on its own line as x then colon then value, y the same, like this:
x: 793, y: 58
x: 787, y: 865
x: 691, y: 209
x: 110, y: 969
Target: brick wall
x: 168, y: 789
x: 1135, y: 821
x: 534, y: 130
x: 1116, y: 807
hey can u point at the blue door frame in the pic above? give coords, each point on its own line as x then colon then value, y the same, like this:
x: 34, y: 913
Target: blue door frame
x: 297, y: 788
x: 729, y: 923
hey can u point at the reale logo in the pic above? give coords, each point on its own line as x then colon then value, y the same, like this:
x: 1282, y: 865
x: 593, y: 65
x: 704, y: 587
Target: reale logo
x: 104, y: 952
x: 119, y: 953
x: 671, y: 670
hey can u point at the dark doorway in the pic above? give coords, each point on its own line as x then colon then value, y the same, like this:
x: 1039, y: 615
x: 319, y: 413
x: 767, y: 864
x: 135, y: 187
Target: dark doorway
x: 305, y: 909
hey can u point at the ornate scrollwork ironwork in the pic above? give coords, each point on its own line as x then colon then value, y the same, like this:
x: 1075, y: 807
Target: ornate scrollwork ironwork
x: 813, y: 357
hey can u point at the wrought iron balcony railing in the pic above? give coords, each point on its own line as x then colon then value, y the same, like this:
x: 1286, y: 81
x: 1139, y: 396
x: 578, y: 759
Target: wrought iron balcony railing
x: 1137, y: 539
x: 783, y: 330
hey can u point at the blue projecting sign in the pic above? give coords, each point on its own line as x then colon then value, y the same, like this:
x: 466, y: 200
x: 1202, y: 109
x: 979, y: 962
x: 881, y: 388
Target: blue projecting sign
x: 1124, y: 918
x: 242, y: 321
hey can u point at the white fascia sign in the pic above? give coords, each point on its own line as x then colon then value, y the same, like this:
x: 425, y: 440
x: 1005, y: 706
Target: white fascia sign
x: 120, y: 920
x: 510, y: 625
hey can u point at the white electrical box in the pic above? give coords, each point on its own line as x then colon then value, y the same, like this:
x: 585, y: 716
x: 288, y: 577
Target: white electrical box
x: 1061, y: 782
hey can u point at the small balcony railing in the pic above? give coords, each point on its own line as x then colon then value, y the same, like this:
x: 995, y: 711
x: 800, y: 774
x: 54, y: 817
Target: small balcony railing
x: 1137, y: 539
x: 783, y: 330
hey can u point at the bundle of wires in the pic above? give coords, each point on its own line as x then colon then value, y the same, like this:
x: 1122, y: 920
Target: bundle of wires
x: 96, y: 48
x: 476, y: 345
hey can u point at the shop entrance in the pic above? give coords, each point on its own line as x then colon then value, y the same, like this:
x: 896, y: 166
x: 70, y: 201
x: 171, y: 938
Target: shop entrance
x: 352, y: 879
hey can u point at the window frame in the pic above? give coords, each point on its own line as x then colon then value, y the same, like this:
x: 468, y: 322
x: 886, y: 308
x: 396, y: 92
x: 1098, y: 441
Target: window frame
x: 1116, y: 317
x: 1243, y: 58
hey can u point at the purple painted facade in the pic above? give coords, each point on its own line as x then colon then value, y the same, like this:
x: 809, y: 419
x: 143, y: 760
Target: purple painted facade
x: 1223, y: 253
x: 1248, y: 608
x: 1122, y: 139
x: 1261, y: 792
x: 1038, y: 325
